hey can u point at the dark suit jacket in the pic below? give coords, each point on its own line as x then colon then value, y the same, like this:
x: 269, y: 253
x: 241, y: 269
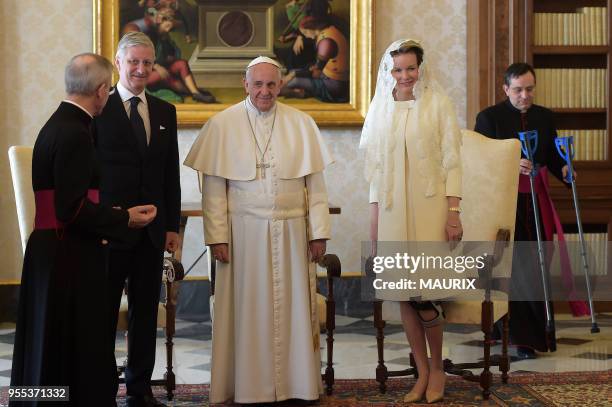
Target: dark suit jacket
x: 126, y: 177
x: 503, y: 121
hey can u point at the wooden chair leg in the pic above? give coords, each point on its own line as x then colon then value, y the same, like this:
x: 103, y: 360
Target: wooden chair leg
x: 331, y: 264
x: 169, y: 376
x: 381, y: 369
x: 173, y: 274
x: 486, y: 376
x: 330, y: 326
x: 413, y: 365
x: 504, y: 364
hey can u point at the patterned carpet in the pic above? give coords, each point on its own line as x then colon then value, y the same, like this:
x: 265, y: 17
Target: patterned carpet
x: 593, y: 389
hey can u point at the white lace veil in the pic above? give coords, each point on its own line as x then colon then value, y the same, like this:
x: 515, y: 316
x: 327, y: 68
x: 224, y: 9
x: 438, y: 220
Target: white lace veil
x: 377, y: 130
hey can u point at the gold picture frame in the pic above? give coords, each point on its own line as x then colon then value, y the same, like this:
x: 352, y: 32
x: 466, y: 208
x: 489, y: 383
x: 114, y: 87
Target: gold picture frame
x: 106, y: 21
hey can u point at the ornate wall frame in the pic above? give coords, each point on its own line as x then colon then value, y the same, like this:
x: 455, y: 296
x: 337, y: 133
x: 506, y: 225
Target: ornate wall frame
x: 106, y: 35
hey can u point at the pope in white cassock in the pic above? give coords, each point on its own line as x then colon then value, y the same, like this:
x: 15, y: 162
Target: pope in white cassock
x: 266, y: 218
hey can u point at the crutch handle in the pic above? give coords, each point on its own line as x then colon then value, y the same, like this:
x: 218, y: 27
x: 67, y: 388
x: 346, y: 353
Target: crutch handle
x: 529, y: 145
x: 565, y: 148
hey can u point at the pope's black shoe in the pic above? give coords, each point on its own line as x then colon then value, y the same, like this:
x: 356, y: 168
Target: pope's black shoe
x: 524, y: 352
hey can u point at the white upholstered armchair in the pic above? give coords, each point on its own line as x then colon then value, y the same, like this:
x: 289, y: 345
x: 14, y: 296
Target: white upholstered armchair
x: 20, y: 159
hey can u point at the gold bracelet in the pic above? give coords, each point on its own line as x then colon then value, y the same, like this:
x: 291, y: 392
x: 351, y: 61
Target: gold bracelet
x: 455, y: 209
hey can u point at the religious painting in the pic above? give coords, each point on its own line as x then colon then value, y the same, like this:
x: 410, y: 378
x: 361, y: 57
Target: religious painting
x: 203, y: 47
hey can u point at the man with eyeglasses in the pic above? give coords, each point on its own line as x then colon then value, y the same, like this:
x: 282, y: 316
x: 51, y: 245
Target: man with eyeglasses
x: 137, y: 148
x: 59, y: 340
x: 505, y: 120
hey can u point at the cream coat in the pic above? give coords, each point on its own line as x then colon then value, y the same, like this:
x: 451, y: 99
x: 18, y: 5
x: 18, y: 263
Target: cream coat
x: 421, y: 143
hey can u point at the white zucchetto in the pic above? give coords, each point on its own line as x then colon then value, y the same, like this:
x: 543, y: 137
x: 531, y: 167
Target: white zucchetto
x: 263, y: 60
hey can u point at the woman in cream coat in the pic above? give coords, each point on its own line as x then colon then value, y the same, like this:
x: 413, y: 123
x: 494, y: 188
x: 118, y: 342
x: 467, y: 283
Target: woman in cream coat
x: 412, y: 145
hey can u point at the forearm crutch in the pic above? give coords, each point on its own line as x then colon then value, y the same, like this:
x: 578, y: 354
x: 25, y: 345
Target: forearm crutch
x: 529, y: 145
x: 565, y: 148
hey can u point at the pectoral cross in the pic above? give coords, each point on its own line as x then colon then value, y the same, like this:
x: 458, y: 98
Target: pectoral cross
x: 263, y: 167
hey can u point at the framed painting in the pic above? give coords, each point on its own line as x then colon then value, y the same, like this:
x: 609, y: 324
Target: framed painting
x: 203, y: 47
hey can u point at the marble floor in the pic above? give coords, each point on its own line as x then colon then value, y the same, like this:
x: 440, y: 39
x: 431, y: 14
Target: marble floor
x: 355, y: 353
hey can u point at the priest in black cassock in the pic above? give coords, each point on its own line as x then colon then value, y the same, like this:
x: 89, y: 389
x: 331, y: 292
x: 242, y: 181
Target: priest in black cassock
x: 62, y: 328
x: 503, y: 121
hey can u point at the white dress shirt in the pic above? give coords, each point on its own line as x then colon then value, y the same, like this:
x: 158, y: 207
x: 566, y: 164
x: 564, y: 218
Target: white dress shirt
x: 143, y: 108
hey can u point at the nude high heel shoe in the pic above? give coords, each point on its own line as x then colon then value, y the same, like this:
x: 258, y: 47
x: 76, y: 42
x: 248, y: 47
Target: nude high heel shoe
x: 413, y: 397
x: 434, y: 396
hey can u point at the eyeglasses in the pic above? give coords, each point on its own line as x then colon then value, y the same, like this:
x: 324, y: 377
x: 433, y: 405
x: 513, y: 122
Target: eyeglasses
x: 136, y: 62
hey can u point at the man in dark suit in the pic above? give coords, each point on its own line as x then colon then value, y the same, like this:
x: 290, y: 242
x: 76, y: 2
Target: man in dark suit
x: 136, y: 145
x: 503, y: 121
